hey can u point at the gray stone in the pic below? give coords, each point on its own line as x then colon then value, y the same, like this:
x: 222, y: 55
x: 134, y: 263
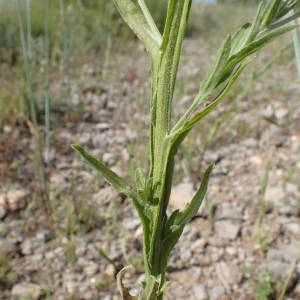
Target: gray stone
x: 291, y: 188
x: 109, y: 158
x: 7, y: 247
x: 131, y: 224
x: 91, y: 269
x: 198, y: 245
x: 103, y: 126
x: 216, y: 293
x: 3, y: 212
x: 30, y: 290
x: 281, y: 113
x: 274, y: 195
x: 291, y: 252
x: 216, y: 254
x: 227, y: 229
x: 268, y: 113
x: 292, y: 228
x: 106, y: 195
x: 186, y: 255
x: 274, y: 254
x: 71, y: 286
x: 80, y: 249
x: 99, y: 141
x: 228, y: 210
x: 200, y: 292
x: 228, y: 273
x: 26, y: 247
x: 279, y: 269
x: 109, y: 272
x: 44, y: 236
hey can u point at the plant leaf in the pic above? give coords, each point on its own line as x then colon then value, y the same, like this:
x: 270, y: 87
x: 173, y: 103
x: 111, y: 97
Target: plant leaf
x: 271, y: 12
x: 116, y: 181
x: 217, y: 69
x: 210, y: 107
x: 192, y: 208
x: 284, y: 21
x: 255, y: 46
x: 140, y: 25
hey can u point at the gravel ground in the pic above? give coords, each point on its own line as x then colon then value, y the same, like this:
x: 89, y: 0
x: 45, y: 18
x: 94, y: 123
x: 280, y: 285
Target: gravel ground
x: 243, y: 244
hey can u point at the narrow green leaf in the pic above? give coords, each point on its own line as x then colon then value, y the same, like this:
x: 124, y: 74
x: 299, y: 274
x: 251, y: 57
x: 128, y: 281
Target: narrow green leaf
x: 284, y: 21
x: 255, y: 46
x: 271, y: 12
x: 215, y: 72
x: 116, y: 181
x: 176, y: 222
x: 141, y: 25
x: 210, y: 107
x: 149, y: 19
x: 192, y: 208
x: 240, y: 38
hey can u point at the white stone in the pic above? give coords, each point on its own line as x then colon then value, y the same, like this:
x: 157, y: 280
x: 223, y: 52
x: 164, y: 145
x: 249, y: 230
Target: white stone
x: 181, y: 194
x: 14, y: 200
x: 24, y: 290
x: 200, y: 292
x: 227, y: 229
x: 216, y: 293
x: 228, y: 273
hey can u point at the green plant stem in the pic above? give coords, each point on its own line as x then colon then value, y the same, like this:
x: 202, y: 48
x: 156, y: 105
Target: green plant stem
x: 151, y: 194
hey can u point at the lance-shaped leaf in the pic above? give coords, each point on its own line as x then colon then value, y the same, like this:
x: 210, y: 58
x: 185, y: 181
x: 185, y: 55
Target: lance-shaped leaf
x: 216, y: 72
x: 142, y: 25
x: 271, y: 12
x: 254, y: 47
x: 176, y: 222
x: 179, y: 134
x: 116, y: 181
x: 192, y: 208
x: 284, y: 21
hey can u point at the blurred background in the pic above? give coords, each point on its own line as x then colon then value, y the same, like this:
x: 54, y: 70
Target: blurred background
x: 71, y: 72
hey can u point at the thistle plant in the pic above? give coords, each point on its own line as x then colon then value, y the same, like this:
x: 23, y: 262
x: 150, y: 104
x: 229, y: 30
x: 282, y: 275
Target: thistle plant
x: 151, y: 192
